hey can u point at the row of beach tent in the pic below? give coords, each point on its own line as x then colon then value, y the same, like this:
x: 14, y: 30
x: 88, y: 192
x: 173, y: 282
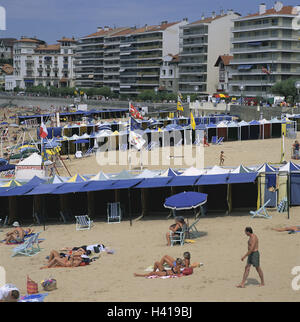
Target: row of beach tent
x: 289, y: 167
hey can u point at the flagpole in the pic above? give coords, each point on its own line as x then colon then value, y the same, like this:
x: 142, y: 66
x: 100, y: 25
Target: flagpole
x: 42, y: 145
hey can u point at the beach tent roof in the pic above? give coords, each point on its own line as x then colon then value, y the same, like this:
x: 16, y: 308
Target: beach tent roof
x: 147, y: 174
x: 77, y: 178
x: 33, y: 159
x: 254, y: 122
x: 192, y: 172
x: 56, y: 179
x: 100, y: 176
x: 275, y: 120
x: 181, y: 181
x: 232, y: 124
x: 123, y: 175
x: 222, y: 124
x: 241, y: 169
x: 243, y: 123
x: 169, y: 173
x: 265, y: 168
x: 44, y: 189
x: 264, y: 121
x: 211, y: 125
x: 289, y: 167
x: 186, y: 200
x: 156, y: 182
x: 35, y: 181
x: 11, y: 183
x: 217, y: 170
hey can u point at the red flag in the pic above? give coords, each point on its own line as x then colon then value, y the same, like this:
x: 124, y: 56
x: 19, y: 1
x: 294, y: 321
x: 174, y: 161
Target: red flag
x: 135, y: 113
x: 43, y: 131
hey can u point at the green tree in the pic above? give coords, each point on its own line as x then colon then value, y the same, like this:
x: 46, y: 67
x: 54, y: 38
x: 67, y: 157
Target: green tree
x: 285, y: 88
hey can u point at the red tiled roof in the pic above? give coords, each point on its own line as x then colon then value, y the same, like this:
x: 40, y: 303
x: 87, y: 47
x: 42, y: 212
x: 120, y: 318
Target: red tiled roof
x: 286, y: 10
x: 48, y: 47
x: 66, y: 39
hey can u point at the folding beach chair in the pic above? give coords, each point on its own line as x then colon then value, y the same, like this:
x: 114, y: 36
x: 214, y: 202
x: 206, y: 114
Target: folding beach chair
x: 220, y: 140
x: 178, y: 237
x: 88, y: 153
x: 192, y: 229
x: 27, y: 248
x: 261, y: 212
x: 283, y: 205
x: 5, y: 222
x: 83, y: 222
x: 214, y: 140
x: 113, y: 212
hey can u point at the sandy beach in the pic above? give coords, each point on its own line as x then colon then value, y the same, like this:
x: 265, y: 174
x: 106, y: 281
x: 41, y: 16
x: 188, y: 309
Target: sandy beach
x: 220, y: 246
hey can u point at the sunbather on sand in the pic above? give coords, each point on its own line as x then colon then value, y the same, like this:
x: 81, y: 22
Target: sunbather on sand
x: 290, y: 228
x: 17, y: 234
x: 159, y: 270
x: 172, y: 261
x: 55, y: 260
x: 97, y: 248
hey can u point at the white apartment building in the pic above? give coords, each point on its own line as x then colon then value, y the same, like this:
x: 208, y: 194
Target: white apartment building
x: 128, y: 60
x: 265, y: 49
x: 36, y: 63
x: 201, y: 43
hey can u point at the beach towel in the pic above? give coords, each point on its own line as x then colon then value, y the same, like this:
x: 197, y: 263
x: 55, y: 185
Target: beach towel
x: 165, y: 277
x: 293, y: 231
x: 33, y: 298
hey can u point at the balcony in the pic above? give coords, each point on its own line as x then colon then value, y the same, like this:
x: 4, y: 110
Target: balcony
x: 261, y: 27
x: 267, y: 37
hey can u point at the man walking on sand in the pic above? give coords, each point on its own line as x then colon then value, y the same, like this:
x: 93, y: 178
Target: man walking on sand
x: 253, y: 258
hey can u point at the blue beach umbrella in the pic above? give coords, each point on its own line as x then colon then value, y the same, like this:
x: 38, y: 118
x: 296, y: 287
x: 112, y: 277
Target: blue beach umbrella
x: 186, y: 200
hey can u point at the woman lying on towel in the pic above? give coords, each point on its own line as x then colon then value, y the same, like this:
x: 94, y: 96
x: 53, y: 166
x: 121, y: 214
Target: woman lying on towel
x: 159, y: 270
x: 290, y: 229
x: 97, y: 248
x: 62, y: 260
x: 172, y: 262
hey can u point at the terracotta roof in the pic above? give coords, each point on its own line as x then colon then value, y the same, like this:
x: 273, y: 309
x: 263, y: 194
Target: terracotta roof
x: 175, y: 58
x: 66, y: 39
x: 47, y: 47
x: 286, y: 10
x: 99, y: 33
x: 225, y: 59
x: 28, y: 40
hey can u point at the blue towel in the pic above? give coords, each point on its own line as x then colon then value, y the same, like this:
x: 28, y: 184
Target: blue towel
x: 33, y: 298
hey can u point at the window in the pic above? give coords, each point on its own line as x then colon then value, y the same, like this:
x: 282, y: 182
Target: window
x: 171, y: 72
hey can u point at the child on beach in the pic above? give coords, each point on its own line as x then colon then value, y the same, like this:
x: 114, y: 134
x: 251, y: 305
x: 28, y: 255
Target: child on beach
x: 222, y: 158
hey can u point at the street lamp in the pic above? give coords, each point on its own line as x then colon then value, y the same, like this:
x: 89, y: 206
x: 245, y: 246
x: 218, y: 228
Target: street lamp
x: 297, y: 85
x: 242, y: 87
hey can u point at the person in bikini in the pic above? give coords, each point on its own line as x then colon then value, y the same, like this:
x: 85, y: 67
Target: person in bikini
x: 56, y: 260
x: 177, y: 227
x: 17, y: 234
x: 290, y: 229
x: 253, y: 258
x: 159, y: 270
x: 169, y: 260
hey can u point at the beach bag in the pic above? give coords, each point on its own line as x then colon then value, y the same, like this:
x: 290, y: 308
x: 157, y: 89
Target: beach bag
x: 187, y: 271
x: 49, y: 284
x: 32, y: 287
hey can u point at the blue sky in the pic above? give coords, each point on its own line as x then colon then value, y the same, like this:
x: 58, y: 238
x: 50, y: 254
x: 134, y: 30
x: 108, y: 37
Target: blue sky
x: 52, y: 19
